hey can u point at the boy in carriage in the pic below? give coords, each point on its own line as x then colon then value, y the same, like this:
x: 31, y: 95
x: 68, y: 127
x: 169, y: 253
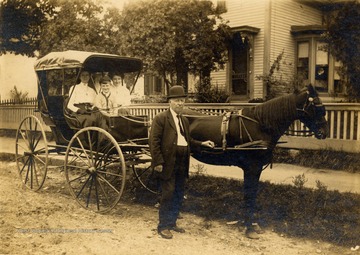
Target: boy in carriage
x: 106, y: 100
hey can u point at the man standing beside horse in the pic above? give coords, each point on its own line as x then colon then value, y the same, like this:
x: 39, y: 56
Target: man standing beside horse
x: 170, y: 144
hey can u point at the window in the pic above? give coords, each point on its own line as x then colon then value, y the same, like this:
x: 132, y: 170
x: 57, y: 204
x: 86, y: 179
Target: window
x: 54, y: 81
x: 153, y: 85
x: 303, y: 60
x: 59, y: 81
x: 321, y: 67
x: 316, y: 66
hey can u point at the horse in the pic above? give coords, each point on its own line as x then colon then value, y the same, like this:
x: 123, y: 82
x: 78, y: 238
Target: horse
x: 247, y: 138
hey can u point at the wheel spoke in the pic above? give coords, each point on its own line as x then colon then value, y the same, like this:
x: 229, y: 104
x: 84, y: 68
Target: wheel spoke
x: 109, y: 173
x: 103, y: 190
x: 108, y: 183
x: 36, y: 174
x: 83, y: 150
x: 25, y: 149
x: 91, y: 145
x: 79, y: 177
x: 38, y: 158
x: 78, y: 156
x: 25, y: 164
x: 82, y: 188
x: 25, y: 140
x: 90, y: 188
x: 36, y: 141
x: 97, y: 195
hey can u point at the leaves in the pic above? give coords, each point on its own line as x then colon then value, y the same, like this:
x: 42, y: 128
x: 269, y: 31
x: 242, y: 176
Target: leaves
x: 344, y: 38
x: 173, y: 37
x: 21, y: 25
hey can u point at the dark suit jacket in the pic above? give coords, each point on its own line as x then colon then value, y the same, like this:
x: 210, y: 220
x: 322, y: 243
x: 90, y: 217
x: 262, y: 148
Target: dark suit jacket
x: 163, y: 142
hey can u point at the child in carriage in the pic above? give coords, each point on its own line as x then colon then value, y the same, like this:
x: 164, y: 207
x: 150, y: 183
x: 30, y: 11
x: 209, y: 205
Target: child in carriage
x: 106, y: 99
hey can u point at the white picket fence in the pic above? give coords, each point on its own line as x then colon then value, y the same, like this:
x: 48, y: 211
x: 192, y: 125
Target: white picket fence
x: 343, y: 119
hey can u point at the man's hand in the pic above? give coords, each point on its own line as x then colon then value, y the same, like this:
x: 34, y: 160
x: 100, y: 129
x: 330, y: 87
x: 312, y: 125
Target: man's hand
x: 208, y: 143
x: 158, y: 168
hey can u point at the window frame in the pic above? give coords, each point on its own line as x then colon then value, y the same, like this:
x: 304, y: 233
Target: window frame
x: 313, y: 41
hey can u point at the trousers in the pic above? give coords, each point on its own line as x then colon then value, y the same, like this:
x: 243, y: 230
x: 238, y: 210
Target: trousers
x: 172, y: 191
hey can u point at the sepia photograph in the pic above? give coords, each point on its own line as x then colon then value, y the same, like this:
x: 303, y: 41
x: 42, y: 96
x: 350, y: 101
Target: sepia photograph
x: 180, y: 127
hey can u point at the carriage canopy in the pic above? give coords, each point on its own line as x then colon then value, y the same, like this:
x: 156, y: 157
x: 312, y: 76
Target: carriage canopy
x: 90, y: 61
x: 58, y: 71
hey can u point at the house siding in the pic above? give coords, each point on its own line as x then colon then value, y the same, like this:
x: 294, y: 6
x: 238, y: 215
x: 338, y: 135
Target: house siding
x: 274, y: 18
x: 284, y: 14
x: 249, y: 13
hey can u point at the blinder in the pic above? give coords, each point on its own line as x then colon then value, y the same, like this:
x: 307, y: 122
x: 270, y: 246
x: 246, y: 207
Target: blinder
x: 313, y: 114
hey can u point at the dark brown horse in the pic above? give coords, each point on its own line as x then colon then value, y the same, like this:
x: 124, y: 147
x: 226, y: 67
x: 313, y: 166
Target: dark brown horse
x: 252, y: 134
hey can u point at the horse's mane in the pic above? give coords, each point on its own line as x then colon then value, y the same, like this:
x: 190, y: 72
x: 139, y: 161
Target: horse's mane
x: 274, y: 114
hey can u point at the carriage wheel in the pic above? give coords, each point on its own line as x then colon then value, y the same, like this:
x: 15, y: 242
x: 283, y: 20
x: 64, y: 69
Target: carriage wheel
x: 148, y: 178
x: 31, y: 152
x: 95, y: 169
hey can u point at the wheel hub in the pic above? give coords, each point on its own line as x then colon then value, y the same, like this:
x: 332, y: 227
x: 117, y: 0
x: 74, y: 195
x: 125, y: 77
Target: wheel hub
x: 92, y: 169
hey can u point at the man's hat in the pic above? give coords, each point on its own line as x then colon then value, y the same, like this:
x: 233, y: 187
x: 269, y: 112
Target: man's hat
x: 176, y: 92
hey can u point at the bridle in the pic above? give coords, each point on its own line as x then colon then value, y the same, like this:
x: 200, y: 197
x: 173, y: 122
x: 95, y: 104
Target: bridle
x: 314, y: 104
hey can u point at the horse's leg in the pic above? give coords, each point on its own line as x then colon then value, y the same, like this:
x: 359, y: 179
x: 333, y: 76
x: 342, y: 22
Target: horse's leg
x: 251, y: 183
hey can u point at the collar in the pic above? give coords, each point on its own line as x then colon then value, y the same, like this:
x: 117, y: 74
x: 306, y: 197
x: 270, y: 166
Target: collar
x: 173, y: 113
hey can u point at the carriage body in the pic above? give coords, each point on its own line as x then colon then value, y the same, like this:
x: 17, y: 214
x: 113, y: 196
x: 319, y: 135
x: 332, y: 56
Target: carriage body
x: 58, y: 71
x: 95, y: 161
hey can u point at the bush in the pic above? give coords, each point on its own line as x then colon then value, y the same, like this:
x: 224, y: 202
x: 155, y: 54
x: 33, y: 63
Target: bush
x: 210, y: 93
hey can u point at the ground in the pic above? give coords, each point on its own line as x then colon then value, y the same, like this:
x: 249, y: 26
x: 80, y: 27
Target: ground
x: 51, y: 222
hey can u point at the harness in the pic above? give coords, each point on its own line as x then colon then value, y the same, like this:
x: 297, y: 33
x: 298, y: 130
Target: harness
x: 242, y: 126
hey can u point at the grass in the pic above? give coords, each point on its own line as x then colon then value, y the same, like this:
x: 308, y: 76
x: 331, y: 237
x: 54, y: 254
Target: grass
x: 291, y: 210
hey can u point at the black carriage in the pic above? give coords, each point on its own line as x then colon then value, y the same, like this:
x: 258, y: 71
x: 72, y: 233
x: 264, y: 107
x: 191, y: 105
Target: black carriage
x: 95, y: 160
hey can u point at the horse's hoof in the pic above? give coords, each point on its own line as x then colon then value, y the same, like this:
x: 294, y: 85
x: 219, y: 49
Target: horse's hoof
x: 257, y: 228
x: 251, y: 233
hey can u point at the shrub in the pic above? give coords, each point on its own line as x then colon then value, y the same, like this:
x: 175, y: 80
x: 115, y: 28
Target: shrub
x: 206, y: 92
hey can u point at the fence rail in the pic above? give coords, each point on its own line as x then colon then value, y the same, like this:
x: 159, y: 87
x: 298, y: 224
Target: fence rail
x: 343, y: 118
x: 27, y: 101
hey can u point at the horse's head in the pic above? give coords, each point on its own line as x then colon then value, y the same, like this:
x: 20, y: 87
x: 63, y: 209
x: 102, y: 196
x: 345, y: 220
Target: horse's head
x: 312, y: 112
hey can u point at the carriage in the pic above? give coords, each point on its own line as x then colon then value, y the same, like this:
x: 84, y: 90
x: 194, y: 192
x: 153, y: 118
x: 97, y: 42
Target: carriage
x: 96, y: 161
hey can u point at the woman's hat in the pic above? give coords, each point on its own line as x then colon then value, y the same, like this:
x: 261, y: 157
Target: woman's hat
x: 176, y: 92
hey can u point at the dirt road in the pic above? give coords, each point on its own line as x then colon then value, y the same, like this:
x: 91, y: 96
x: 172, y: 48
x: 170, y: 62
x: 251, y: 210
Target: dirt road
x: 51, y: 222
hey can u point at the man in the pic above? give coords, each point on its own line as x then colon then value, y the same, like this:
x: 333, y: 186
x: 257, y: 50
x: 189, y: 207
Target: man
x: 170, y: 150
x: 80, y: 107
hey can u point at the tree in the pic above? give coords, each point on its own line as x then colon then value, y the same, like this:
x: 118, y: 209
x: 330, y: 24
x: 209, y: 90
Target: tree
x: 20, y: 25
x: 76, y: 25
x: 173, y: 37
x: 29, y: 26
x: 18, y: 96
x: 343, y: 25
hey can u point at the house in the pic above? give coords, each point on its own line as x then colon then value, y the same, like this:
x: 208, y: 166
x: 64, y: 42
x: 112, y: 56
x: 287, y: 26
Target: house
x: 278, y: 36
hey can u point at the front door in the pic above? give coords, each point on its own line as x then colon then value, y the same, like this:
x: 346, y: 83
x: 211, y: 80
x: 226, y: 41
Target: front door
x: 240, y: 66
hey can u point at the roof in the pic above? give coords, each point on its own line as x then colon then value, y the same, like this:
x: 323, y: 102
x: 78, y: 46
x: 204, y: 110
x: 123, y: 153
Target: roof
x: 90, y: 61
